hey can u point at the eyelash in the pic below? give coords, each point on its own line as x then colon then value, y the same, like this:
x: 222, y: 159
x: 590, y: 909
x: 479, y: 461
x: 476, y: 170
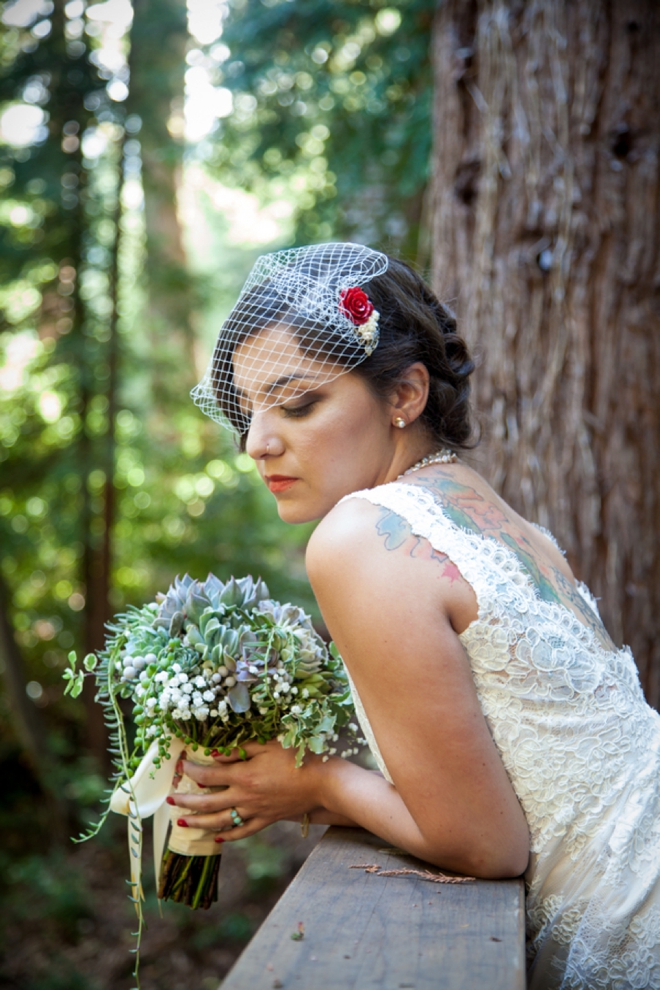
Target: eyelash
x: 297, y: 412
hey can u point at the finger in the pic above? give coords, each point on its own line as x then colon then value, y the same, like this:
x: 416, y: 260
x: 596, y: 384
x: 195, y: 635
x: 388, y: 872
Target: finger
x: 207, y: 776
x: 222, y: 823
x: 219, y: 821
x: 248, y: 749
x: 206, y: 803
x: 178, y: 770
x: 235, y: 756
x: 243, y: 831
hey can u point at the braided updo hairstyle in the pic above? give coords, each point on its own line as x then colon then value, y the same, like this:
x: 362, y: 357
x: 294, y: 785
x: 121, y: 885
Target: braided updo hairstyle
x: 415, y: 326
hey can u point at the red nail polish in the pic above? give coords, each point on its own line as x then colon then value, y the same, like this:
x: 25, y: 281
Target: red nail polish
x: 170, y: 800
x: 218, y: 838
x: 182, y: 822
x: 214, y: 752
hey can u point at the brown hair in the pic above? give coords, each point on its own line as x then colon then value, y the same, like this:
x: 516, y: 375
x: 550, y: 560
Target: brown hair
x: 415, y: 326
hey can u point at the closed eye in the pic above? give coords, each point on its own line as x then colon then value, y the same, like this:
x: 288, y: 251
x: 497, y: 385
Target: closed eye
x: 297, y: 412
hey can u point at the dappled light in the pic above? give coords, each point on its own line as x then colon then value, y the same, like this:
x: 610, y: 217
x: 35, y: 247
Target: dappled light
x: 150, y: 152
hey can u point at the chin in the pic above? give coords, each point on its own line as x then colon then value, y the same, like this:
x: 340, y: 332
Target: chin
x: 297, y: 514
x: 303, y: 510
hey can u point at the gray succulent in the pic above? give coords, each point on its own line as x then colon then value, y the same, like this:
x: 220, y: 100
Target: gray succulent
x: 187, y: 600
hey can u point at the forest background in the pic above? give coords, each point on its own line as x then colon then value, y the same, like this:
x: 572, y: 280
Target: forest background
x: 149, y: 151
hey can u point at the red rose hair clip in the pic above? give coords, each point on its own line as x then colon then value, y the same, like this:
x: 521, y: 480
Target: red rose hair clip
x: 355, y: 304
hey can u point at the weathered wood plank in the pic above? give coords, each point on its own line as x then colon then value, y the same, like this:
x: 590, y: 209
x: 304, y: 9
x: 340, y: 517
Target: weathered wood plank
x: 366, y: 932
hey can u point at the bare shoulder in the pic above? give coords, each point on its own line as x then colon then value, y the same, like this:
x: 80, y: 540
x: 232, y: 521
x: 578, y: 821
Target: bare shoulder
x: 358, y: 531
x: 365, y: 550
x: 345, y: 531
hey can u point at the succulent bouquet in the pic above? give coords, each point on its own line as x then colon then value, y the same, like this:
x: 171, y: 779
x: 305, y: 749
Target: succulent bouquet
x: 208, y: 666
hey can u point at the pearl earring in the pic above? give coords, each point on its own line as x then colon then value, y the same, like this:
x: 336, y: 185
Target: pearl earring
x: 400, y: 422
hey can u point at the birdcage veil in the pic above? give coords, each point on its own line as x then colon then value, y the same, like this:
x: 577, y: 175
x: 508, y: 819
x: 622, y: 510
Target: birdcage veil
x: 322, y: 324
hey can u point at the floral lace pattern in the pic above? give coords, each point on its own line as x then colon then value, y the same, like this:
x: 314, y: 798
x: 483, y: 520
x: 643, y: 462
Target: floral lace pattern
x: 582, y: 750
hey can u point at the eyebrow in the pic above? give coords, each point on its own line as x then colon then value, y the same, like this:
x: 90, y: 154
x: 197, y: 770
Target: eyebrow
x: 285, y: 379
x: 279, y: 383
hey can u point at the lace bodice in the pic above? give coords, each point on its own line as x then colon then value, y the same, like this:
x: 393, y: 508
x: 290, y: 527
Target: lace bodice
x: 582, y: 750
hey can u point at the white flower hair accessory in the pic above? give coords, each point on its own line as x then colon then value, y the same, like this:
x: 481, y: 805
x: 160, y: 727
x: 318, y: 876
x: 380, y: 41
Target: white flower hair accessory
x: 302, y: 319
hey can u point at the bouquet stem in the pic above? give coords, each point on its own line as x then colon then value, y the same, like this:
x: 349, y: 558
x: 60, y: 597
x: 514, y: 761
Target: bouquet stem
x: 190, y: 880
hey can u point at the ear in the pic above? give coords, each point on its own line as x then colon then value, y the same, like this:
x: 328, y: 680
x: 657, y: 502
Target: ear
x: 411, y: 394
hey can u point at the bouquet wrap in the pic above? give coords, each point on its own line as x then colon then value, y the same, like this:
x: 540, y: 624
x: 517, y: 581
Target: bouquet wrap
x: 192, y: 841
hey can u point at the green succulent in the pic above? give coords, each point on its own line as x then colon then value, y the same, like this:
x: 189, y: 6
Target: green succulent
x: 188, y: 600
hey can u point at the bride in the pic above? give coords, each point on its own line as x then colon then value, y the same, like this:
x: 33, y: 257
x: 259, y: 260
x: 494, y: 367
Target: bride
x: 511, y: 734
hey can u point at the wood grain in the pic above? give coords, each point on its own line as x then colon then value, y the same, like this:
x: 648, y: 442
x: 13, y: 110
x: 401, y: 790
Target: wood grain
x: 364, y: 931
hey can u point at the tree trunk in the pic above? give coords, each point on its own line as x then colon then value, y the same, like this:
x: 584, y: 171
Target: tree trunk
x: 159, y: 36
x: 68, y: 106
x: 545, y: 238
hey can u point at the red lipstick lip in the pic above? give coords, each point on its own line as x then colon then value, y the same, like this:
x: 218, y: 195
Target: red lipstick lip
x: 279, y: 482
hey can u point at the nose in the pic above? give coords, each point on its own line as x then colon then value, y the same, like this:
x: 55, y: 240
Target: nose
x: 263, y: 439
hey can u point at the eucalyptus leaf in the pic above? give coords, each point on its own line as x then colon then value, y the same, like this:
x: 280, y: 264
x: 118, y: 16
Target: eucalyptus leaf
x: 90, y: 662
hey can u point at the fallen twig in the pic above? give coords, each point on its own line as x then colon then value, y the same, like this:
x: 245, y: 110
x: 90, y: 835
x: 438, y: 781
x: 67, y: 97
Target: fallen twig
x: 426, y: 875
x: 422, y: 874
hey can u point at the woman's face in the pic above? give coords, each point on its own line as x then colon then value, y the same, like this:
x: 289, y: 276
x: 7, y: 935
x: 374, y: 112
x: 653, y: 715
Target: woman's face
x: 311, y: 449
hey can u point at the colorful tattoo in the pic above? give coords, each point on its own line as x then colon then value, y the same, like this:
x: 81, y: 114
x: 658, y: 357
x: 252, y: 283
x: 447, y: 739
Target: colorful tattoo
x: 398, y: 535
x: 468, y: 509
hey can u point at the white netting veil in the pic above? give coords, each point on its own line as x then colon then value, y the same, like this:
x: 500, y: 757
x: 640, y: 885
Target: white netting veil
x: 300, y: 321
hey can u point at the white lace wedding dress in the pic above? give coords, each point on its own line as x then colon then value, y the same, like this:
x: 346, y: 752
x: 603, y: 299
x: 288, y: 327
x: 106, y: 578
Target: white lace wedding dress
x: 582, y: 750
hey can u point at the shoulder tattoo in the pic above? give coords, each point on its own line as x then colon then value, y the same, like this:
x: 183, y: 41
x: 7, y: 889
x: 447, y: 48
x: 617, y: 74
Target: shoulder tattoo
x: 398, y: 535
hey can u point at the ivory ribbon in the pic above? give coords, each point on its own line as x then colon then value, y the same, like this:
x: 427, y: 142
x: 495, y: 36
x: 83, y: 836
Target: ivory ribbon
x: 145, y: 795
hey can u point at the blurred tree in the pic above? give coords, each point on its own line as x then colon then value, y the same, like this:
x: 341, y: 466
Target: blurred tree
x: 332, y: 99
x: 158, y: 41
x: 546, y: 224
x: 53, y: 251
x: 109, y: 483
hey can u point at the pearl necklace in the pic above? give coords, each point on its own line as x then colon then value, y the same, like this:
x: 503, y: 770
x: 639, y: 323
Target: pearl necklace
x: 442, y: 456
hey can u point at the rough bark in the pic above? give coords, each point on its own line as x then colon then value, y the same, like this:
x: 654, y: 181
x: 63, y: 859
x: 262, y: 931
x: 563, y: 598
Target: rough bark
x: 545, y: 239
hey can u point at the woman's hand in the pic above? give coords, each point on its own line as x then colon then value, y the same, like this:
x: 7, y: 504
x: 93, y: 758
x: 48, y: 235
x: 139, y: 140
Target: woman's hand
x: 264, y: 788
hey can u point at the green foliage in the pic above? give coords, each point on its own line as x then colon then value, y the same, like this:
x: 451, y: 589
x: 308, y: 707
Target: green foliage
x: 235, y: 927
x: 86, y: 460
x: 333, y: 100
x: 111, y: 482
x: 62, y: 976
x: 48, y: 890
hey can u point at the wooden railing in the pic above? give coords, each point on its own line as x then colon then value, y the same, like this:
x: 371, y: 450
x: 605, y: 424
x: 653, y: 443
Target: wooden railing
x: 341, y: 927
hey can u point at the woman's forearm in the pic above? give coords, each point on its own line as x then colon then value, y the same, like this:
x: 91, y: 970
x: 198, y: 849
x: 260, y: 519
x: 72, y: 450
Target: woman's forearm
x: 352, y: 795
